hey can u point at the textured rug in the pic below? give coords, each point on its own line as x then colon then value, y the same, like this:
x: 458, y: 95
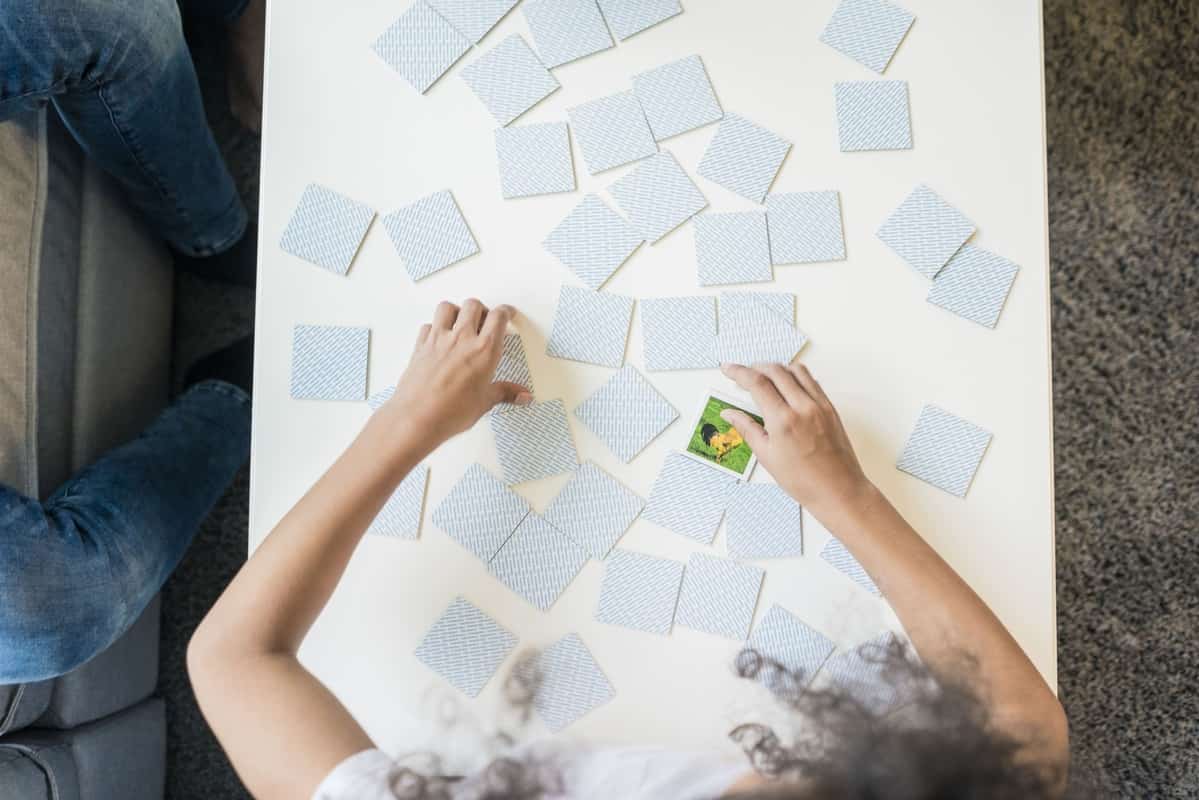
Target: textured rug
x: 1122, y: 82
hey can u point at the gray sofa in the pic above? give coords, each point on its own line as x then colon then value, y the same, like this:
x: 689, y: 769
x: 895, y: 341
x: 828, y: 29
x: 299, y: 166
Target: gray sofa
x: 86, y: 298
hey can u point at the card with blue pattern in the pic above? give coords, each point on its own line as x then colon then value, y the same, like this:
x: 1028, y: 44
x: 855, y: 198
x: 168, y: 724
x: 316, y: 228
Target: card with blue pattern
x: 658, y: 196
x: 465, y: 646
x: 626, y: 413
x: 590, y: 326
x: 926, y: 231
x: 473, y: 18
x: 689, y: 498
x: 593, y: 241
x: 566, y: 30
x: 868, y: 31
x: 974, y: 285
x: 805, y: 227
x: 640, y: 592
x: 400, y: 516
x: 677, y: 97
x: 570, y: 683
x: 629, y: 17
x: 538, y: 562
x: 430, y: 235
x: 679, y: 332
x: 480, y: 512
x: 509, y: 79
x: 535, y: 159
x: 732, y: 247
x: 719, y: 596
x: 944, y: 450
x: 594, y: 510
x: 534, y: 442
x: 837, y: 556
x: 762, y: 521
x: 873, y: 115
x: 612, y: 131
x: 793, y: 645
x: 329, y: 362
x: 421, y: 46
x: 744, y: 157
x: 326, y: 229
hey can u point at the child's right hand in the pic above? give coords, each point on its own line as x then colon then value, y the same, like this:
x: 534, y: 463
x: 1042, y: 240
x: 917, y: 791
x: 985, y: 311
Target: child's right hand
x: 449, y: 382
x: 804, y: 445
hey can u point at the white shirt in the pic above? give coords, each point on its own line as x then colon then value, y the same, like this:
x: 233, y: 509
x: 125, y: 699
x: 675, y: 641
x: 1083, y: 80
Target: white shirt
x: 584, y: 774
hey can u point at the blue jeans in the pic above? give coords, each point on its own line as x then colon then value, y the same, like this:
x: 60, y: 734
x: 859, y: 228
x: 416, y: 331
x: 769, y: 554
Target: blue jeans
x: 121, y: 77
x: 78, y: 570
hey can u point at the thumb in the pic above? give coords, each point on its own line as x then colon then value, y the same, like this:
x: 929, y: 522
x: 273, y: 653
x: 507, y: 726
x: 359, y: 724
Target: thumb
x: 509, y: 392
x: 754, y: 434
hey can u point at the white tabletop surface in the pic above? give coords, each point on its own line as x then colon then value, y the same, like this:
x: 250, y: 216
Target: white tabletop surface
x: 336, y: 115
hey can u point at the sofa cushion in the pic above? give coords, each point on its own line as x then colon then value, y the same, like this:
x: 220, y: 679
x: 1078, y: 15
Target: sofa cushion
x: 123, y: 675
x: 58, y: 301
x: 22, y: 191
x: 38, y: 766
x: 85, y: 309
x: 21, y: 776
x: 123, y: 322
x: 120, y: 757
x: 21, y: 705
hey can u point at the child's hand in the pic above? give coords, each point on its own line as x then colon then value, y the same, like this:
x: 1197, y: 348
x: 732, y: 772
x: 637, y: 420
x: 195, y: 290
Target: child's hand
x: 448, y: 384
x: 804, y: 445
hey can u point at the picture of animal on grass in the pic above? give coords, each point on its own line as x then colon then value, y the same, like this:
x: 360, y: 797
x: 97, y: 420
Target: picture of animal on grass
x: 715, y: 440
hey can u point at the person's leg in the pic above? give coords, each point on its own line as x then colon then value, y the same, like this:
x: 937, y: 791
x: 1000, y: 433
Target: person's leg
x: 79, y: 569
x: 120, y: 74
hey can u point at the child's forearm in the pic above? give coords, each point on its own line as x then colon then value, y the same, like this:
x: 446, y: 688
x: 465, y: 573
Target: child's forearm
x: 278, y: 594
x: 946, y: 620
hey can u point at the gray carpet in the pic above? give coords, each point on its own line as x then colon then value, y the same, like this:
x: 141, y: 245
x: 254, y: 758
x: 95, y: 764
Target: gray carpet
x: 1123, y: 115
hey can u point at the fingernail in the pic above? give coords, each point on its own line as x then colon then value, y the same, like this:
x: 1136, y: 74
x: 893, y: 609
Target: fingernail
x: 524, y: 399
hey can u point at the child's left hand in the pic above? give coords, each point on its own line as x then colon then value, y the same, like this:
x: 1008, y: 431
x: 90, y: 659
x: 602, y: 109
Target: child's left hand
x: 448, y: 384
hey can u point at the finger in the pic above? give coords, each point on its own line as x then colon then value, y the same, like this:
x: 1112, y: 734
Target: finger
x: 471, y: 316
x: 785, y: 381
x: 422, y: 335
x: 760, y: 387
x: 496, y: 323
x: 444, y: 316
x: 509, y: 392
x: 810, y: 384
x: 753, y: 433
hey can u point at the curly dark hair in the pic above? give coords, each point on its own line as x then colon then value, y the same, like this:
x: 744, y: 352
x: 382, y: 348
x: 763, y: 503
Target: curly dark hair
x: 935, y: 741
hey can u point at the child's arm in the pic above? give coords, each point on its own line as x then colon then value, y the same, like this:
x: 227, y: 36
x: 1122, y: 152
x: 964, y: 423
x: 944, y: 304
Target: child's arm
x: 282, y: 729
x: 805, y: 447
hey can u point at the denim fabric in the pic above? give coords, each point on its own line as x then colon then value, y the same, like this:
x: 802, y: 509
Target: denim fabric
x: 122, y: 79
x: 78, y: 570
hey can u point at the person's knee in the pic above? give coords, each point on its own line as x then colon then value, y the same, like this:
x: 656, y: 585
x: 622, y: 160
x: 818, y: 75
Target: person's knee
x: 58, y: 605
x: 44, y: 636
x: 87, y: 41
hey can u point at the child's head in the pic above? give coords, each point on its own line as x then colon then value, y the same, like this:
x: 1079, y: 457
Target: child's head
x: 939, y: 742
x: 707, y: 432
x: 936, y: 740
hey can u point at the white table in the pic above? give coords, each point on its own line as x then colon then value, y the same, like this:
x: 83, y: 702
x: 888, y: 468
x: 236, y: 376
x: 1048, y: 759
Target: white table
x: 335, y: 114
